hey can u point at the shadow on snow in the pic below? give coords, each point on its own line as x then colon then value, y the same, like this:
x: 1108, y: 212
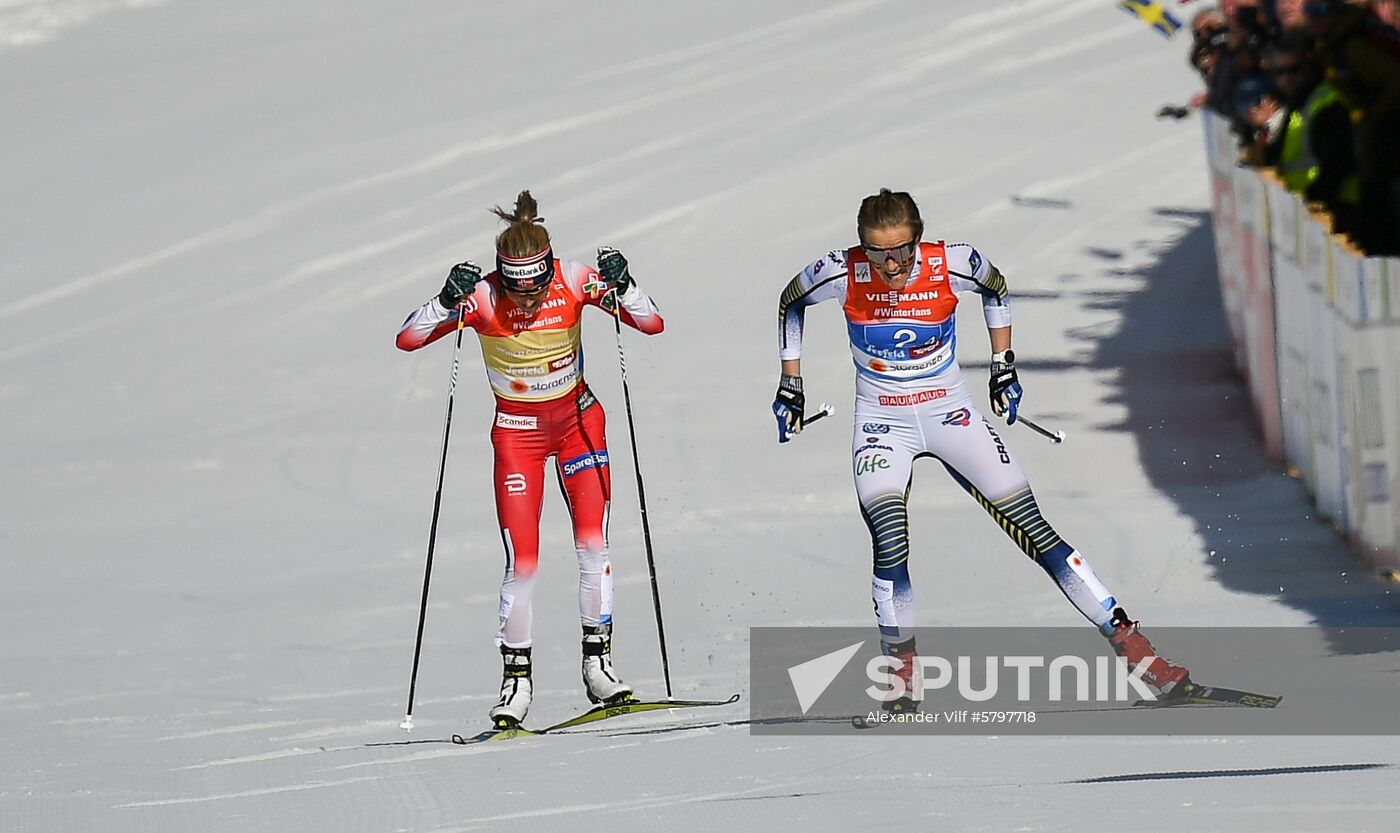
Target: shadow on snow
x: 1194, y: 426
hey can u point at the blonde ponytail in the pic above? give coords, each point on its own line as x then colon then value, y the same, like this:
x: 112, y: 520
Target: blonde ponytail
x: 526, y: 234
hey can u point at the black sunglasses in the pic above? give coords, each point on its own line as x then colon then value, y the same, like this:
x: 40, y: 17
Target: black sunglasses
x: 899, y: 254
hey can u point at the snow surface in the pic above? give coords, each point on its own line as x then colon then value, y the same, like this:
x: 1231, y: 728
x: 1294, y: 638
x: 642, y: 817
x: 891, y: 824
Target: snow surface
x: 218, y: 472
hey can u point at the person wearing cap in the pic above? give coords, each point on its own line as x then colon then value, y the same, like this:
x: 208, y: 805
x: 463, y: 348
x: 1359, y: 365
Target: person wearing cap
x: 1266, y: 119
x: 526, y: 314
x: 1317, y: 159
x: 1231, y: 43
x: 1368, y: 78
x: 1209, y: 39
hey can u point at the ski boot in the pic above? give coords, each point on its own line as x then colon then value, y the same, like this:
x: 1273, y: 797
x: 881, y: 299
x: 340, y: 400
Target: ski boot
x: 599, y: 680
x: 1129, y: 643
x: 517, y: 690
x: 904, y: 651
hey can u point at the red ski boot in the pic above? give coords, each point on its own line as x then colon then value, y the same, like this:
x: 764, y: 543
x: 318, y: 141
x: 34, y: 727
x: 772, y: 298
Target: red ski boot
x: 1129, y: 643
x: 905, y: 652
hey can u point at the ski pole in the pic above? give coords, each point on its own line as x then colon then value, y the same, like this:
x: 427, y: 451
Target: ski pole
x: 824, y: 411
x: 1056, y: 437
x: 407, y: 724
x: 641, y: 494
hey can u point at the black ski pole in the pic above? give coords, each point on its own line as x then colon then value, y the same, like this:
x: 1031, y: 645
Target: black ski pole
x: 824, y: 411
x: 641, y: 494
x: 1056, y: 437
x: 407, y: 724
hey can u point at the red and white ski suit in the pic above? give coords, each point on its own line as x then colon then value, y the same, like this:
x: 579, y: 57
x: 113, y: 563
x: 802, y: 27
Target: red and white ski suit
x: 543, y: 409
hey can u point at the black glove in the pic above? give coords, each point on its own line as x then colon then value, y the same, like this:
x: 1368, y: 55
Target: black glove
x: 788, y: 406
x: 461, y: 282
x: 613, y: 267
x: 1005, y: 388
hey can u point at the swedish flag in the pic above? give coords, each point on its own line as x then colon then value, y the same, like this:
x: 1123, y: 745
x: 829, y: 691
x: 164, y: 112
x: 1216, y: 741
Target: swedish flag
x: 1154, y: 14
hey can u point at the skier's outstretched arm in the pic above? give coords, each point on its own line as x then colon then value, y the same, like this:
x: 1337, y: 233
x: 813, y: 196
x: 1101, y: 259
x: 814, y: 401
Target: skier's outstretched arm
x: 439, y: 316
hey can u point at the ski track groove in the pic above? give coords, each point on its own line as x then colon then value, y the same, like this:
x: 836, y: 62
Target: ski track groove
x: 249, y: 759
x: 233, y: 730
x: 291, y: 788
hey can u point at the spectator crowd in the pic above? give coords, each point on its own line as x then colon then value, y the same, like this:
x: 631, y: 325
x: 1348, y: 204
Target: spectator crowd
x: 1313, y: 91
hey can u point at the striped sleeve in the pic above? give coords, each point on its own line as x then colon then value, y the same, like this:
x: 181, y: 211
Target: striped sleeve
x: 821, y: 280
x: 968, y: 271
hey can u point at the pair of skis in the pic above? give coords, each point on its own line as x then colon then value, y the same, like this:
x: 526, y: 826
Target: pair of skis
x: 1196, y: 694
x: 1189, y: 694
x: 593, y: 715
